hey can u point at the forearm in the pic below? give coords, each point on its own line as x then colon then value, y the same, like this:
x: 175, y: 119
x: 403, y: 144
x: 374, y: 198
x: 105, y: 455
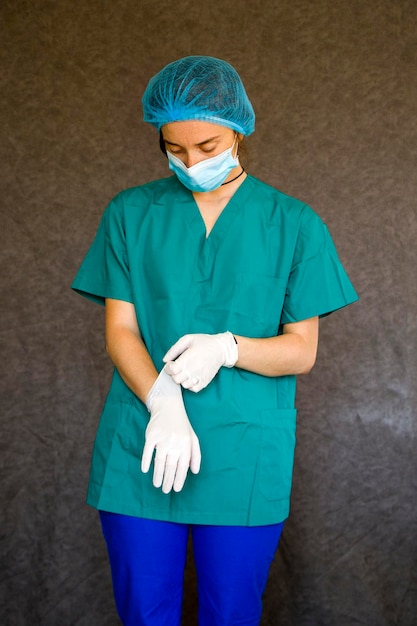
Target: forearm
x: 126, y: 349
x: 129, y: 354
x: 286, y: 354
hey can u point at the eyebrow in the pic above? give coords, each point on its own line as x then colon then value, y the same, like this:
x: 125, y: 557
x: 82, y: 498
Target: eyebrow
x: 172, y: 143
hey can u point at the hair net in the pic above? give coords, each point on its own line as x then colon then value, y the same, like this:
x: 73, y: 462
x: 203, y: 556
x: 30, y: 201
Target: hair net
x: 198, y: 88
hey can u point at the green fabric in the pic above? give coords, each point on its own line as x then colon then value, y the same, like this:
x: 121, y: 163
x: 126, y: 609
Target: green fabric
x: 269, y: 260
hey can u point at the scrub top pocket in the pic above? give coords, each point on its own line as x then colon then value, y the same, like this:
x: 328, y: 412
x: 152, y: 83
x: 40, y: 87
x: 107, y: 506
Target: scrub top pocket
x: 118, y: 437
x: 277, y: 452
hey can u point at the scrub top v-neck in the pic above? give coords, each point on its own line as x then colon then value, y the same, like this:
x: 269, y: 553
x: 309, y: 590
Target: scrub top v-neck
x: 268, y: 260
x: 211, y: 242
x: 223, y: 221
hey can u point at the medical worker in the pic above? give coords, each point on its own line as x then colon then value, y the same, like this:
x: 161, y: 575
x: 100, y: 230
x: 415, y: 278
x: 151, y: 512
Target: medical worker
x: 213, y: 283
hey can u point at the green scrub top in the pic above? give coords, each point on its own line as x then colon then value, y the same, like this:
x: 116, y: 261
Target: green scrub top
x: 269, y: 260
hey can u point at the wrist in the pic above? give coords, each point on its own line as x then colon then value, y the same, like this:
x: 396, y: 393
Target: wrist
x: 164, y: 387
x: 230, y: 345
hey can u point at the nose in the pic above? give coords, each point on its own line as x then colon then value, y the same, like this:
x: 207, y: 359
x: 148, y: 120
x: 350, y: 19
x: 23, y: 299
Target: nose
x: 191, y: 158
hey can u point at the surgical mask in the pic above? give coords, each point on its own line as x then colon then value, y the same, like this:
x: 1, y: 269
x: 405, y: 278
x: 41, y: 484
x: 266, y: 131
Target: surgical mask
x: 205, y: 175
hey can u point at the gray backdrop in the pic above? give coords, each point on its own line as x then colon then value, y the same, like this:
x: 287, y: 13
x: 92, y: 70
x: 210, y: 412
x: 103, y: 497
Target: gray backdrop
x: 333, y: 83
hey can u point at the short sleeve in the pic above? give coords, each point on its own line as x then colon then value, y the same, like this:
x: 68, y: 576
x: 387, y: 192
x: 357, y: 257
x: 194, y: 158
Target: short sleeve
x: 104, y: 273
x: 318, y: 283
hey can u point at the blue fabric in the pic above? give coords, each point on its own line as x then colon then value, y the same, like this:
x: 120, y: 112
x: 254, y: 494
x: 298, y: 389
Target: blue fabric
x: 198, y: 88
x: 147, y: 559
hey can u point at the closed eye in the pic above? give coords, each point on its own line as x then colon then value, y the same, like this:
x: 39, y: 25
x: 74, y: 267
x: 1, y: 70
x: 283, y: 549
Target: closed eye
x: 207, y: 150
x: 176, y: 151
x: 206, y: 147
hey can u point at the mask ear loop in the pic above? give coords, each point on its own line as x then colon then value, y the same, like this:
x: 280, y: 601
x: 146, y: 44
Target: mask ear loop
x: 237, y: 157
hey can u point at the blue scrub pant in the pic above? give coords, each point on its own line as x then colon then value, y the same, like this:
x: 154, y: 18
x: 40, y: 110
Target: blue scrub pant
x: 147, y: 560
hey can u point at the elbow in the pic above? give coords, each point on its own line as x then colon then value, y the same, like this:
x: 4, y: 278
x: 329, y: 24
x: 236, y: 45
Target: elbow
x: 308, y: 364
x: 306, y: 369
x: 106, y: 345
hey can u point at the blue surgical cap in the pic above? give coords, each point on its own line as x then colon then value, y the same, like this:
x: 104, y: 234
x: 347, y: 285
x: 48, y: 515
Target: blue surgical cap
x: 198, y: 88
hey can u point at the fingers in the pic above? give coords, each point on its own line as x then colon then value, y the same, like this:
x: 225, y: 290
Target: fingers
x: 169, y: 473
x: 175, y: 370
x: 147, y: 456
x: 195, y: 461
x: 159, y: 468
x: 182, y: 377
x: 180, y: 476
x: 170, y: 470
x: 178, y: 348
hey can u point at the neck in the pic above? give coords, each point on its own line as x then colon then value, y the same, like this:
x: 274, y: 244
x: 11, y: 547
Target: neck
x: 226, y: 190
x: 235, y: 178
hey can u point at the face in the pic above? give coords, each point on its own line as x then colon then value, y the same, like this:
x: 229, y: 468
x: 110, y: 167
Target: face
x: 193, y: 141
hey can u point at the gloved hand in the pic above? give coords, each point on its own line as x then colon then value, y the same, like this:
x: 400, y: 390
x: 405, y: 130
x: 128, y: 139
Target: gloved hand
x: 201, y: 358
x: 169, y: 432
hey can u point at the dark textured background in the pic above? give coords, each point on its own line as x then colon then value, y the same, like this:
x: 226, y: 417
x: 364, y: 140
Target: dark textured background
x: 333, y: 83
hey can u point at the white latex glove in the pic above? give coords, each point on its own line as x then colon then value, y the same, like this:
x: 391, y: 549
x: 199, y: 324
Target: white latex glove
x: 194, y: 360
x: 169, y: 432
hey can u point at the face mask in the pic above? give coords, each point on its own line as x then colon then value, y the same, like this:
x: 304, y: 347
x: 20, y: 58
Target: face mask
x: 206, y: 175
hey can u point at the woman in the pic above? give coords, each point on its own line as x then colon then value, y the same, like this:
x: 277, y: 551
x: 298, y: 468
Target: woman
x: 213, y: 284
